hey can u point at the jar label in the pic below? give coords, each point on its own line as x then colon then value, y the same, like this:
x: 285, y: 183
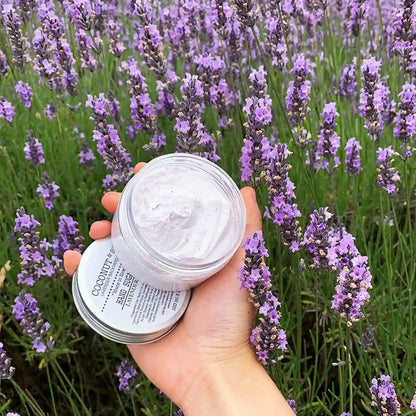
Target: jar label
x: 120, y: 299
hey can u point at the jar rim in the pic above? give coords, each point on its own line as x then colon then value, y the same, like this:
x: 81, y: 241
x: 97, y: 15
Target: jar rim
x: 219, y: 177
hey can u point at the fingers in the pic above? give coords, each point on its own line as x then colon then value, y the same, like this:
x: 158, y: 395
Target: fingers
x: 139, y: 166
x: 71, y: 261
x: 100, y: 229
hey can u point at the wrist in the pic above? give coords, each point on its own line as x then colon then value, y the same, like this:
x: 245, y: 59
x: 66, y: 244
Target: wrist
x: 239, y: 386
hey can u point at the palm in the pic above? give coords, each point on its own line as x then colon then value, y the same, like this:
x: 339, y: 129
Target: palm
x: 209, y: 332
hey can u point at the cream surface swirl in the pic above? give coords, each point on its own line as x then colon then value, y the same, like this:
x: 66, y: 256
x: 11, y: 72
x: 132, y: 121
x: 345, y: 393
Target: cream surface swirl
x: 183, y: 214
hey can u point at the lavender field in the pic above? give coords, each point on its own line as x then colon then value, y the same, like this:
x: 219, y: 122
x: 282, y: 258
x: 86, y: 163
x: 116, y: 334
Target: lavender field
x: 312, y: 102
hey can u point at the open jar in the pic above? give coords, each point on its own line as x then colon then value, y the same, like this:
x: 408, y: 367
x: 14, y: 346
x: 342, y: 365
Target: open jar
x: 178, y: 222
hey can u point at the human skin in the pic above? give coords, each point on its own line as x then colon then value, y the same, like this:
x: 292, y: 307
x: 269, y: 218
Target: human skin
x: 206, y: 365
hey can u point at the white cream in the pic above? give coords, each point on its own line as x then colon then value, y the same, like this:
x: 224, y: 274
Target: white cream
x: 183, y: 214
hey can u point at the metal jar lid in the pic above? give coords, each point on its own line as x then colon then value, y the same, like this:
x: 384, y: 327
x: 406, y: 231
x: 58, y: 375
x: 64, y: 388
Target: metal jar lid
x: 119, y: 306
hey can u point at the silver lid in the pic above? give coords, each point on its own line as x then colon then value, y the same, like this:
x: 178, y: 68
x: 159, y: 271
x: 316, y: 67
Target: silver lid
x: 117, y: 305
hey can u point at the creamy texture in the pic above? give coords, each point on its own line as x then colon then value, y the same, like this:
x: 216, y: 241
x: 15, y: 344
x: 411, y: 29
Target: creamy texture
x: 183, y: 214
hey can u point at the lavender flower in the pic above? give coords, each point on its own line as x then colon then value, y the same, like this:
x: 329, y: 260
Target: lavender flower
x: 113, y: 31
x: 24, y: 93
x: 114, y: 106
x: 387, y: 175
x: 367, y: 339
x: 345, y: 414
x: 33, y: 150
x: 108, y: 142
x: 292, y: 405
x: 6, y: 369
x: 143, y: 113
x: 297, y: 96
x: 51, y: 111
x: 6, y: 110
x: 405, y: 120
x: 413, y: 403
x: 404, y: 32
x: 12, y: 414
x: 348, y: 82
x: 355, y: 17
x: 191, y: 133
x: 352, y: 157
x: 267, y: 338
x: 3, y: 64
x: 86, y: 156
x: 178, y: 413
x: 275, y: 44
x: 27, y: 313
x: 317, y: 238
x: 372, y: 99
x: 68, y: 238
x: 328, y: 141
x: 256, y: 146
x: 157, y: 143
x: 246, y: 11
x: 149, y: 40
x: 11, y: 21
x: 126, y: 373
x: 354, y: 277
x: 48, y: 191
x: 33, y: 251
x: 384, y: 396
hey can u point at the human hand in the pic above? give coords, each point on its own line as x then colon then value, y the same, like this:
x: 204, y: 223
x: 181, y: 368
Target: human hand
x: 210, y: 343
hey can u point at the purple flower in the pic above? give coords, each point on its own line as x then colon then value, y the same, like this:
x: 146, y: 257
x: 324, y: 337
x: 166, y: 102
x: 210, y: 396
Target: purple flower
x: 178, y: 413
x: 404, y: 33
x: 256, y: 146
x: 51, y: 111
x: 6, y: 110
x: 348, y: 82
x: 328, y: 141
x: 12, y: 414
x: 384, y: 397
x: 48, y: 191
x: 373, y: 98
x: 86, y: 156
x: 387, y: 176
x: 114, y: 106
x: 413, y: 402
x: 33, y: 150
x: 27, y: 313
x: 12, y: 23
x: 352, y: 157
x: 317, y: 238
x: 24, y: 93
x: 109, y: 145
x: 275, y: 44
x: 297, y: 96
x: 126, y: 374
x: 192, y: 134
x: 345, y: 414
x: 354, y: 277
x: 355, y: 16
x: 281, y: 210
x: 405, y: 120
x: 113, y: 32
x: 267, y: 338
x: 149, y: 40
x: 247, y: 12
x: 68, y: 238
x: 292, y: 405
x: 6, y: 368
x: 157, y: 143
x: 33, y: 251
x: 143, y: 112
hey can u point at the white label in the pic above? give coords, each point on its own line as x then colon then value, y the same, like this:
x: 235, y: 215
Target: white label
x: 119, y: 299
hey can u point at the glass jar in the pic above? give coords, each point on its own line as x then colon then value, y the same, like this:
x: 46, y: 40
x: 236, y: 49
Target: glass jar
x: 179, y: 221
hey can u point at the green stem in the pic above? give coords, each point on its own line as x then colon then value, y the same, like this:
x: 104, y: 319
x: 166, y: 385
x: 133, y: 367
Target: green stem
x: 51, y: 390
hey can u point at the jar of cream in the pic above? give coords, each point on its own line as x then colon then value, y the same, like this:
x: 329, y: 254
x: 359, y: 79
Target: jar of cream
x: 178, y: 222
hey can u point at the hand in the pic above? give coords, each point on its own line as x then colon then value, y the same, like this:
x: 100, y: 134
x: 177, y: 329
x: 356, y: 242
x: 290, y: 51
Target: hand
x: 210, y: 342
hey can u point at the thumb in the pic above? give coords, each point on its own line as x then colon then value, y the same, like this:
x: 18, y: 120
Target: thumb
x: 254, y: 222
